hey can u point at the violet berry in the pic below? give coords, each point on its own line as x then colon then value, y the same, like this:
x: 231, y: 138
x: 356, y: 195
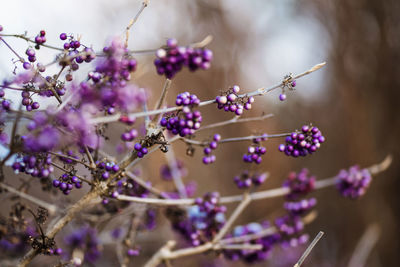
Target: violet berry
x: 353, y: 183
x: 302, y: 143
x: 208, y: 157
x: 230, y: 101
x: 299, y: 184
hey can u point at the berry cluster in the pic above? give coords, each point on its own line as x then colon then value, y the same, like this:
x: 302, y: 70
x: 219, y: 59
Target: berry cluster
x: 208, y: 158
x: 172, y: 58
x: 354, y: 182
x: 245, y: 180
x: 300, y: 208
x: 302, y: 143
x: 66, y: 183
x: 107, y: 86
x: 255, y: 151
x: 28, y: 102
x: 40, y: 39
x: 140, y: 150
x: 299, y: 184
x: 251, y: 256
x: 290, y: 229
x: 31, y: 54
x: 202, y: 221
x: 84, y: 240
x: 105, y: 169
x: 71, y: 43
x: 185, y: 121
x: 42, y: 136
x: 230, y: 101
x: 130, y: 135
x: 38, y: 165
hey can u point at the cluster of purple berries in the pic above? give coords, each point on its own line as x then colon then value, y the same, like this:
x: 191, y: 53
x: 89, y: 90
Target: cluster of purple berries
x: 203, y: 220
x: 106, y: 169
x: 354, y: 182
x: 230, y: 101
x: 299, y: 184
x: 31, y: 54
x: 251, y: 256
x: 290, y: 229
x: 66, y: 183
x: 300, y: 208
x: 85, y: 240
x: 172, y: 58
x: 288, y: 235
x: 28, y: 102
x: 130, y: 135
x: 40, y: 39
x: 71, y: 43
x: 245, y: 180
x: 208, y: 157
x: 140, y: 150
x: 255, y: 151
x: 184, y: 122
x: 38, y: 165
x: 302, y: 143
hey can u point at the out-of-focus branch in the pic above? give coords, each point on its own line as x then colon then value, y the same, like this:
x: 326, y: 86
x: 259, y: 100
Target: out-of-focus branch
x: 50, y: 207
x: 365, y: 246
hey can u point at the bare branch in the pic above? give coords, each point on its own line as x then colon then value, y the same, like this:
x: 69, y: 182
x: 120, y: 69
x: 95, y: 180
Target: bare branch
x: 50, y: 207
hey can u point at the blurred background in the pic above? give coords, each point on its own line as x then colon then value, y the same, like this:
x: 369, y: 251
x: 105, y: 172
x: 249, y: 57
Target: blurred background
x: 353, y: 100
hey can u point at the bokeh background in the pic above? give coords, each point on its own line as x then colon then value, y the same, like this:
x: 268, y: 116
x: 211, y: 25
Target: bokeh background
x: 353, y: 100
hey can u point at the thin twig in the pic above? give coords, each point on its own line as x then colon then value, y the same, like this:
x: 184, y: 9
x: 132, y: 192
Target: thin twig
x: 50, y: 207
x: 175, y: 173
x: 271, y: 193
x: 89, y: 155
x: 258, y: 92
x: 236, y: 213
x: 12, y: 50
x: 65, y: 170
x: 144, y: 5
x: 235, y: 120
x: 161, y: 100
x: 309, y: 248
x: 70, y: 158
x: 235, y: 139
